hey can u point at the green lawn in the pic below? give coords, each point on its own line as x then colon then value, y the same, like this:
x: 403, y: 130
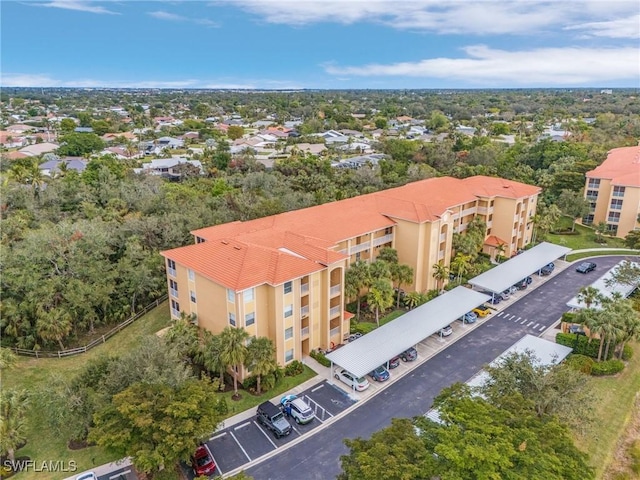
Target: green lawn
x: 33, y: 375
x: 586, y: 237
x: 615, y: 397
x: 577, y: 256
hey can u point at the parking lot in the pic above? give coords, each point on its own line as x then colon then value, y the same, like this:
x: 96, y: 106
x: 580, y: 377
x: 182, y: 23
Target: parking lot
x: 239, y: 444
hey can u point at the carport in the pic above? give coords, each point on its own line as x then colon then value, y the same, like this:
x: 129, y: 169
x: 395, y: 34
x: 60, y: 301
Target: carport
x: 499, y: 278
x: 607, y: 289
x: 377, y: 347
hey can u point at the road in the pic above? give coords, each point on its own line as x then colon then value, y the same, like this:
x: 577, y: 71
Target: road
x: 319, y: 455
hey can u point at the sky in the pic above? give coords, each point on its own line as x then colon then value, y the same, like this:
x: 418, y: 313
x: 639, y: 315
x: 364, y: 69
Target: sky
x: 294, y: 44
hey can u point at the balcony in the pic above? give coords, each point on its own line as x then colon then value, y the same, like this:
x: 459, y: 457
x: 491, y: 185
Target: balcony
x: 382, y: 240
x: 361, y: 247
x: 482, y: 210
x: 334, y: 332
x: 334, y: 311
x: 335, y: 290
x: 304, y: 311
x: 304, y: 332
x: 441, y: 255
x: 343, y: 251
x: 443, y: 237
x: 172, y: 271
x: 469, y: 211
x: 304, y: 288
x: 174, y: 293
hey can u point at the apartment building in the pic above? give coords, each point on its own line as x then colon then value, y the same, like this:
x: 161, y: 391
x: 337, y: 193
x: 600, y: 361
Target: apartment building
x: 613, y: 190
x: 283, y: 276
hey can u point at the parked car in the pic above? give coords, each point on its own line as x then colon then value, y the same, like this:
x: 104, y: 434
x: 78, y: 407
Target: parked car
x: 482, y: 311
x: 586, y: 267
x: 506, y: 294
x: 380, y: 374
x: 547, y: 269
x: 297, y: 408
x: 495, y: 299
x: 446, y: 331
x: 87, y: 476
x: 469, y: 317
x: 512, y: 289
x: 529, y: 280
x: 273, y: 419
x: 522, y: 284
x: 394, y: 362
x: 359, y: 384
x: 354, y: 336
x: 202, y: 461
x: 409, y: 355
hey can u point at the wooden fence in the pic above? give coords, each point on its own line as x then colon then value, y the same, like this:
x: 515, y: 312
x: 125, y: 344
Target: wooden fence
x: 100, y: 340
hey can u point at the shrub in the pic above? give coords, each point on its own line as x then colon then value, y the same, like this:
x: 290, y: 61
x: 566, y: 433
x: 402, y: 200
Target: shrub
x: 581, y: 344
x: 320, y: 358
x: 627, y: 352
x: 362, y: 327
x: 607, y: 367
x: 581, y: 363
x: 293, y: 369
x: 568, y: 317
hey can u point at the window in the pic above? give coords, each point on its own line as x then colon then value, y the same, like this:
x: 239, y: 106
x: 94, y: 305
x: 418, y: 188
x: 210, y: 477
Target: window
x: 616, y: 204
x: 288, y: 287
x: 192, y: 295
x: 288, y: 355
x: 491, y: 204
x: 588, y: 219
x: 173, y: 288
x: 613, y: 229
x: 232, y: 319
x: 358, y: 257
x: 249, y: 319
x: 618, y: 191
x: 594, y: 183
x: 175, y: 308
x: 192, y: 275
x: 592, y: 194
x: 592, y: 207
x: 288, y: 311
x: 199, y: 240
x: 614, y: 217
x: 388, y: 230
x: 231, y: 295
x: 288, y: 333
x: 490, y: 217
x: 171, y: 266
x: 248, y: 295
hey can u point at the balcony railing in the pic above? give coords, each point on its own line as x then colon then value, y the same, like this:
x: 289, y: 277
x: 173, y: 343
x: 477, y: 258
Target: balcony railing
x: 304, y: 311
x: 334, y: 331
x: 483, y: 210
x: 334, y: 311
x: 443, y: 237
x: 175, y: 313
x: 172, y: 271
x: 440, y: 254
x: 304, y: 288
x: 361, y: 247
x: 382, y: 240
x: 174, y: 293
x: 335, y: 290
x: 304, y: 332
x: 469, y: 211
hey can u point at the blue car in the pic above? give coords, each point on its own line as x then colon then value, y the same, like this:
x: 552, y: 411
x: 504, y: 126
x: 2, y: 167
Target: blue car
x: 470, y: 317
x: 380, y: 374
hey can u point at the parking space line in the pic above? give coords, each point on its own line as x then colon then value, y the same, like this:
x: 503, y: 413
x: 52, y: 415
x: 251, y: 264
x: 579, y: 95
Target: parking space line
x: 524, y: 321
x: 518, y: 319
x: 216, y: 463
x: 541, y: 327
x: 512, y: 317
x: 218, y: 436
x: 500, y: 314
x: 266, y: 436
x: 242, y: 425
x: 241, y: 447
x: 120, y: 474
x: 316, y: 407
x: 317, y: 388
x: 295, y: 429
x: 536, y: 326
x: 529, y: 324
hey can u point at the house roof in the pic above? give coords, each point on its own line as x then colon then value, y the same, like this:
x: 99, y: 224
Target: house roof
x: 494, y: 241
x: 622, y: 167
x: 39, y: 149
x: 311, y: 234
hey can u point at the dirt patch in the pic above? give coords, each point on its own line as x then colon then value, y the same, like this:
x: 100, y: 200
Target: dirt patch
x: 78, y: 444
x: 622, y: 461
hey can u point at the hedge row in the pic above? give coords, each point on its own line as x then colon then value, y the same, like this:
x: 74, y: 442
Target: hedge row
x: 581, y: 344
x: 608, y: 367
x: 320, y: 358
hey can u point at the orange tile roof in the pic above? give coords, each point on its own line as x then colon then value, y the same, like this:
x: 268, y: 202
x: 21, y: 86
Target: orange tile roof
x: 240, y: 266
x: 309, y: 235
x: 622, y: 167
x: 494, y: 241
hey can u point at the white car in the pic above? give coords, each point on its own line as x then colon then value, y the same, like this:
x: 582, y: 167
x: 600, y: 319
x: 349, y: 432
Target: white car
x: 359, y: 384
x: 87, y: 476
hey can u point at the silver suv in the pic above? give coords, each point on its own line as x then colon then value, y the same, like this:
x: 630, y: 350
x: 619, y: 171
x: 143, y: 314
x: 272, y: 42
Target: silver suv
x: 297, y: 409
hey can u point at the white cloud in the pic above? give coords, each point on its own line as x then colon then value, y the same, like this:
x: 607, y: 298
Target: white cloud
x: 43, y: 80
x: 480, y: 17
x: 628, y: 27
x: 77, y: 5
x: 229, y: 86
x: 484, y: 66
x: 172, y: 17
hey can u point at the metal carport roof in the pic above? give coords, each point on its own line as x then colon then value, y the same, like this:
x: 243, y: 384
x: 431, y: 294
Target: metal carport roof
x: 607, y: 291
x: 499, y: 278
x: 377, y: 347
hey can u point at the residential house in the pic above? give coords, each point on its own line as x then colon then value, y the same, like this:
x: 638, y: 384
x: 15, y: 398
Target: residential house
x: 312, y: 148
x: 19, y: 128
x: 170, y: 142
x: 168, y: 167
x: 613, y: 189
x: 53, y: 167
x: 282, y: 276
x: 39, y: 149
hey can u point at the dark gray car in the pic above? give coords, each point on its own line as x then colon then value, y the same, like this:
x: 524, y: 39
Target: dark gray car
x: 272, y: 417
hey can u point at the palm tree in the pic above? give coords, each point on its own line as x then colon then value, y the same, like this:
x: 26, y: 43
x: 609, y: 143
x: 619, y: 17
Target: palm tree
x: 440, y: 273
x: 210, y: 355
x: 380, y: 296
x: 233, y: 351
x: 461, y: 264
x: 53, y: 325
x: 590, y: 296
x: 594, y: 321
x: 261, y: 356
x: 630, y: 328
x: 622, y: 319
x: 355, y: 279
x: 13, y: 405
x: 7, y: 358
x: 500, y: 249
x: 402, y: 274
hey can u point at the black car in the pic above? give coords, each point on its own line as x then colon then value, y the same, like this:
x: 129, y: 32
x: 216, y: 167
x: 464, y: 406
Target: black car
x: 409, y: 355
x: 586, y: 267
x: 272, y: 418
x: 394, y: 362
x: 522, y: 284
x: 547, y: 269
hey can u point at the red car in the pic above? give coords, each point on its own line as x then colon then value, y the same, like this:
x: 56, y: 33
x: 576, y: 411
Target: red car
x: 202, y: 461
